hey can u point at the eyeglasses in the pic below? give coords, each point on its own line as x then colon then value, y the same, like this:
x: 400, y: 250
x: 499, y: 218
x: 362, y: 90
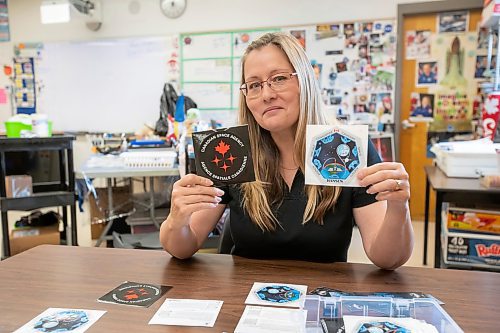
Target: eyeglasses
x: 277, y: 82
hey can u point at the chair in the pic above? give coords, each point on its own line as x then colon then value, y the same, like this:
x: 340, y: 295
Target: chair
x: 146, y: 241
x: 226, y: 242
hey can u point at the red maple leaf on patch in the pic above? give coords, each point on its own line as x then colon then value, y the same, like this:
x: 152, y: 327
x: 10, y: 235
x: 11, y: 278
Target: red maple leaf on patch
x: 130, y: 296
x: 222, y: 148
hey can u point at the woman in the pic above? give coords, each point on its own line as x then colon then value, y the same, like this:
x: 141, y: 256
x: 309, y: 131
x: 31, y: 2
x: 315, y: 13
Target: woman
x: 277, y: 216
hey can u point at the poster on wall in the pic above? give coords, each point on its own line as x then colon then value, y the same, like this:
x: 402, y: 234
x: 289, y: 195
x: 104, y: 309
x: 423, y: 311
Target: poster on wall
x: 427, y: 73
x: 418, y: 44
x: 455, y: 56
x: 4, y: 22
x: 453, y: 22
x: 24, y: 85
x: 354, y: 63
x: 422, y: 108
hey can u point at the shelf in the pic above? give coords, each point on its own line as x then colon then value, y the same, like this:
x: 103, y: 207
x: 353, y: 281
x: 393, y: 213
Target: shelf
x: 55, y: 142
x: 50, y: 194
x: 38, y: 200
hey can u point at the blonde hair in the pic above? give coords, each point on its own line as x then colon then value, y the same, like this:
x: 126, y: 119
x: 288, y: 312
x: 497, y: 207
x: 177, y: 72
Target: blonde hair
x: 266, y: 193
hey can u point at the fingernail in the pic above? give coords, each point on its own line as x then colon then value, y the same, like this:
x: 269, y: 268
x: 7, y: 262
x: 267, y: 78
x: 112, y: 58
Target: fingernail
x: 219, y: 192
x: 369, y: 191
x: 218, y: 199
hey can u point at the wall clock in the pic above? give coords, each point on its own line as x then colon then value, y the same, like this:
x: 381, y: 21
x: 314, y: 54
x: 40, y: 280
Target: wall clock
x: 173, y: 8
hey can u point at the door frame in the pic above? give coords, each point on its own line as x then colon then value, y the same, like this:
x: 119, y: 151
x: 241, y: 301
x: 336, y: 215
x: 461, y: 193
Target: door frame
x: 415, y: 9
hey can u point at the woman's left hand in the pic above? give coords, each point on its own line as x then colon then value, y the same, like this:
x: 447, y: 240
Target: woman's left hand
x: 388, y: 180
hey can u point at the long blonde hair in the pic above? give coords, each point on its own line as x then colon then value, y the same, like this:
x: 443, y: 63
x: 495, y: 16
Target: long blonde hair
x: 266, y: 193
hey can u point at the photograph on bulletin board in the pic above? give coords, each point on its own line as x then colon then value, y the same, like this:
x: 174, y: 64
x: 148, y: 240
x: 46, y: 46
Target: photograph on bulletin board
x: 453, y: 21
x: 4, y: 22
x: 483, y: 40
x: 481, y: 71
x: 427, y: 73
x: 300, y: 35
x: 384, y: 144
x: 418, y: 44
x: 422, y: 108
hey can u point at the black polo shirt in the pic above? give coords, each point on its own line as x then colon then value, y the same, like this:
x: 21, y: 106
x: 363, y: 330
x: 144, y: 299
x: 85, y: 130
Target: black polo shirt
x: 311, y: 242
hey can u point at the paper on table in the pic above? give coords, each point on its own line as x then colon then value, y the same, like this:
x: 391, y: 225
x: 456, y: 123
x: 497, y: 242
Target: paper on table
x: 187, y: 312
x: 260, y: 319
x: 277, y: 294
x: 74, y: 320
x: 353, y: 324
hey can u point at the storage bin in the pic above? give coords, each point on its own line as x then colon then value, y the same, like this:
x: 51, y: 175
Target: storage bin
x: 13, y: 129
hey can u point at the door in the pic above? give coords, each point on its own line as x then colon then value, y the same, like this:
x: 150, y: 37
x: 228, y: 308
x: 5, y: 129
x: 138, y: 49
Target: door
x: 413, y: 135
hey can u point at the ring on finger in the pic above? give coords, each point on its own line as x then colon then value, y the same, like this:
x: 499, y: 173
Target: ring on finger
x: 398, y: 184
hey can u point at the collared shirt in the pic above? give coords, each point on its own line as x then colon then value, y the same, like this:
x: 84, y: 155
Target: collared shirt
x: 294, y: 240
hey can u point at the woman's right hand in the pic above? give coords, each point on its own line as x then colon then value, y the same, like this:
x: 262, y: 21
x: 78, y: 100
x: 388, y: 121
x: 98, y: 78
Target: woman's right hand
x: 190, y: 194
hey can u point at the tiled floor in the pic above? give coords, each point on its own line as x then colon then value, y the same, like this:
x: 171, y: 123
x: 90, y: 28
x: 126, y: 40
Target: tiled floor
x: 357, y: 253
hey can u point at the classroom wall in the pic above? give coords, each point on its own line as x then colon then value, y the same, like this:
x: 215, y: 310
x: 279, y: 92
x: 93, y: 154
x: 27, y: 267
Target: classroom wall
x: 200, y: 16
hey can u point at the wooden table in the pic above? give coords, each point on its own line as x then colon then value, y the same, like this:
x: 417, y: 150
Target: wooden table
x: 461, y: 191
x: 74, y: 277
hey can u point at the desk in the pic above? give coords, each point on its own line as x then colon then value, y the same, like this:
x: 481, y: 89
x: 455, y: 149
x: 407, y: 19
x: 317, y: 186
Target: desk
x: 457, y: 190
x: 74, y: 277
x: 123, y: 172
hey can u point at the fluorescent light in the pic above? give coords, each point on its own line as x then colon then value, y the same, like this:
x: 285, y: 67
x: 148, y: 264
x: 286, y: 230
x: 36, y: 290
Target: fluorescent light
x: 55, y: 11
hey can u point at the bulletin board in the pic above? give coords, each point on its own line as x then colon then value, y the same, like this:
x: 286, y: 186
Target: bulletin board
x: 104, y: 85
x: 211, y: 70
x: 354, y: 63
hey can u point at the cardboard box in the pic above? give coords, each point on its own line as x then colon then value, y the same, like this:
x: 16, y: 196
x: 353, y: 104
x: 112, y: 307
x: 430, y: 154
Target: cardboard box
x: 25, y: 238
x: 18, y: 186
x: 470, y: 249
x: 473, y: 220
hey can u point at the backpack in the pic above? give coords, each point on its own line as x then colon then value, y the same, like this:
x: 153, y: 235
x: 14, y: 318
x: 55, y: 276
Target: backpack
x: 167, y: 107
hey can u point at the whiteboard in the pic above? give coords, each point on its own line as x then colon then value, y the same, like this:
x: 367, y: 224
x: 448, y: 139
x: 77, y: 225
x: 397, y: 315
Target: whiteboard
x: 209, y: 95
x: 105, y: 85
x: 206, y: 46
x: 207, y: 70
